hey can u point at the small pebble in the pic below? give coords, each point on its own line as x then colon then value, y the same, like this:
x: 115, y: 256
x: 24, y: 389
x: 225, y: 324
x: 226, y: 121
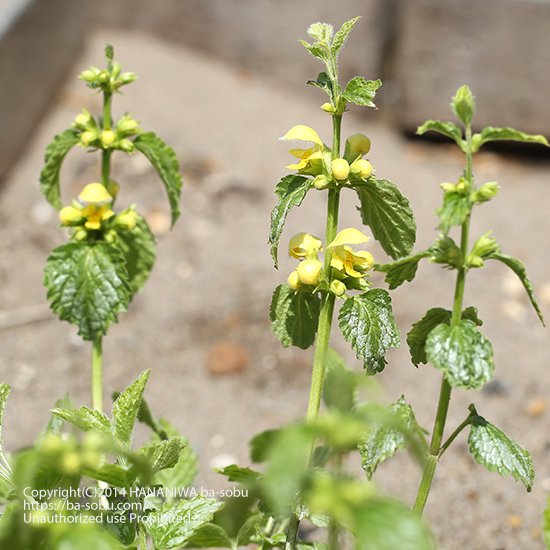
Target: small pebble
x: 515, y: 521
x: 537, y: 407
x: 227, y: 357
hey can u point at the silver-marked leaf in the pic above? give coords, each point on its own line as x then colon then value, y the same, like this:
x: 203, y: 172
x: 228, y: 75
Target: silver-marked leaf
x: 139, y: 249
x: 163, y: 454
x: 168, y: 532
x: 384, y: 441
x: 55, y: 155
x: 87, y: 285
x: 294, y: 316
x: 490, y: 133
x: 368, y: 324
x: 361, y: 91
x: 492, y: 448
x: 125, y: 409
x: 165, y: 162
x: 402, y: 270
x: 84, y: 418
x: 519, y: 269
x: 463, y: 354
x: 342, y: 34
x: 389, y: 215
x: 449, y: 129
x: 290, y: 191
x: 321, y: 31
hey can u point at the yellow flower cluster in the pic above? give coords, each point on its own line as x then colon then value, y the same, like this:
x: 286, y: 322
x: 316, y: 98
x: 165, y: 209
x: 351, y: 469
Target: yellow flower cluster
x: 317, y: 160
x: 349, y: 267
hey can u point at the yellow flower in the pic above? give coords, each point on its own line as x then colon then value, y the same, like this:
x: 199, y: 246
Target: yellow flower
x: 70, y: 215
x: 95, y: 214
x: 127, y: 219
x: 311, y: 159
x: 304, y: 245
x: 340, y: 169
x: 108, y: 138
x: 338, y: 287
x: 95, y: 193
x: 345, y: 259
x: 309, y: 271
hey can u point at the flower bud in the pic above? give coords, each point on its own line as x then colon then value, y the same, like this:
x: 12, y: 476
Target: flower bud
x: 486, y: 192
x: 448, y: 187
x: 340, y: 169
x: 70, y: 215
x: 357, y: 145
x: 127, y: 126
x: 338, y: 287
x: 309, y: 271
x: 320, y: 182
x: 110, y: 236
x: 361, y: 168
x: 115, y: 69
x: 108, y: 137
x: 127, y: 78
x: 127, y: 219
x: 294, y: 280
x: 80, y: 234
x: 126, y: 145
x: 88, y: 137
x: 328, y: 108
x: 89, y: 75
x: 83, y: 119
x: 70, y: 463
x: 103, y: 77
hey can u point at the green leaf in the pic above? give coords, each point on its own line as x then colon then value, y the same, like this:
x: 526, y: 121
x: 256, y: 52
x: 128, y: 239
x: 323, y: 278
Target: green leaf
x: 210, y: 536
x: 367, y: 323
x: 239, y: 474
x: 402, y: 270
x: 546, y: 524
x: 84, y: 418
x: 340, y: 388
x: 125, y: 409
x: 449, y: 129
x: 87, y: 285
x: 55, y: 154
x: 519, y: 269
x: 463, y: 105
x: 321, y: 31
x: 341, y: 36
x: 55, y: 424
x: 416, y: 338
x: 384, y: 441
x: 169, y: 532
x: 454, y: 211
x: 4, y: 395
x: 389, y: 215
x: 163, y: 454
x: 261, y: 443
x: 185, y: 470
x: 164, y: 161
x: 361, y: 91
x: 463, y: 354
x: 290, y: 191
x: 323, y: 83
x: 139, y: 249
x: 387, y: 525
x: 493, y: 449
x: 505, y: 134
x: 113, y: 474
x: 294, y: 316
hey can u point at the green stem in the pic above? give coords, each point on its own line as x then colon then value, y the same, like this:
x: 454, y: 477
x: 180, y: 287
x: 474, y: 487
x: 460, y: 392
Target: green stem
x: 97, y: 374
x: 334, y: 527
x: 445, y: 392
x: 106, y: 153
x: 325, y: 320
x: 455, y: 434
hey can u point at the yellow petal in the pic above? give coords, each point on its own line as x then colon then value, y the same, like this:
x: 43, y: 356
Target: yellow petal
x: 302, y: 164
x: 303, y: 133
x: 363, y: 259
x: 301, y: 153
x: 303, y: 245
x: 93, y: 224
x: 337, y: 263
x: 348, y: 236
x: 95, y: 193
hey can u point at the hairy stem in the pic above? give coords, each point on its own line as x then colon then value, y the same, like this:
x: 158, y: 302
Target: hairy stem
x: 436, y: 450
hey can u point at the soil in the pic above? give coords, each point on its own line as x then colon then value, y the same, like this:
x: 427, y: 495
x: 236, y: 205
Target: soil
x: 212, y: 284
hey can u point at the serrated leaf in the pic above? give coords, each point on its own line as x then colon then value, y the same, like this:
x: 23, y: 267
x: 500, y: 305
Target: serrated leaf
x: 290, y: 191
x: 210, y: 536
x: 490, y: 133
x: 294, y: 316
x: 367, y: 323
x: 249, y: 529
x: 321, y: 31
x: 167, y: 532
x: 463, y: 105
x: 454, y: 211
x: 185, y: 470
x: 125, y: 410
x: 87, y: 285
x: 113, y: 474
x: 384, y: 441
x: 323, y: 83
x: 387, y: 525
x: 463, y: 354
x: 139, y: 249
x: 389, y: 215
x: 239, y: 474
x: 84, y: 418
x: 342, y: 34
x: 402, y: 270
x: 320, y: 50
x: 449, y: 129
x: 165, y: 162
x: 361, y: 91
x: 56, y: 152
x: 340, y: 388
x: 417, y: 335
x: 163, y: 454
x: 519, y: 269
x: 492, y: 448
